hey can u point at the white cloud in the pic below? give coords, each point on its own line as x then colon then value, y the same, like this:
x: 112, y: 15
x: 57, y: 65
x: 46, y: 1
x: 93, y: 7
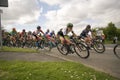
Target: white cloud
x: 82, y: 12
x: 74, y: 11
x: 21, y: 11
x: 28, y: 18
x: 55, y: 2
x: 79, y: 12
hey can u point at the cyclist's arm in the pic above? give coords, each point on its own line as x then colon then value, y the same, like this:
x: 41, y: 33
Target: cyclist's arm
x: 74, y: 34
x: 42, y: 32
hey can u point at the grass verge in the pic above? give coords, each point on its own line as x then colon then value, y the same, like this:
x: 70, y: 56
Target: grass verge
x: 20, y: 70
x: 14, y: 49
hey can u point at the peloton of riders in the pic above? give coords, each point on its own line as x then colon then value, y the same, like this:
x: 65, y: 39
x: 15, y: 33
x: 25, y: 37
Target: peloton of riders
x: 62, y: 34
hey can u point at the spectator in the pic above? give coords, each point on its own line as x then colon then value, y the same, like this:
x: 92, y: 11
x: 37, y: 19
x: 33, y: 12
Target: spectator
x: 115, y: 39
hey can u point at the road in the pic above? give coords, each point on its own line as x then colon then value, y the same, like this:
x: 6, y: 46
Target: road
x: 106, y: 62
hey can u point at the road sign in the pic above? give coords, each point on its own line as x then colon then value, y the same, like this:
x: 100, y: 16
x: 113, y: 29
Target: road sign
x: 3, y: 3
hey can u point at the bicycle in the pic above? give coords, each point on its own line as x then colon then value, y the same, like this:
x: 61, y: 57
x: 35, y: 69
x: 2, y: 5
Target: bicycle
x: 48, y: 44
x: 116, y: 50
x: 96, y: 45
x: 80, y: 49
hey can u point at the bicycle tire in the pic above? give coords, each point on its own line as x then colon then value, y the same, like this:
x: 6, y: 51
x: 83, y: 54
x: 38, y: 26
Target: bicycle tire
x: 97, y: 48
x: 82, y: 51
x: 62, y: 49
x: 116, y: 50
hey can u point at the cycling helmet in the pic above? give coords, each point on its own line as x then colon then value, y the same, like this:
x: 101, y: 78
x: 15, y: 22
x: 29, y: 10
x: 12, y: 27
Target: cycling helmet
x: 61, y: 29
x: 38, y: 27
x: 48, y: 30
x: 70, y: 25
x: 13, y: 29
x: 88, y: 27
x: 53, y: 31
x: 23, y: 30
x: 29, y: 32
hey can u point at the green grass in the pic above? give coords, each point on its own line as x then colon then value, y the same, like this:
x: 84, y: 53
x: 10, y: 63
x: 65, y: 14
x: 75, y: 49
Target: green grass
x: 19, y: 70
x: 110, y: 42
x: 14, y: 49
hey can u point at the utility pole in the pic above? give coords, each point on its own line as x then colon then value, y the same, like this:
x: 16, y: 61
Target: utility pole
x: 0, y: 30
x: 3, y: 3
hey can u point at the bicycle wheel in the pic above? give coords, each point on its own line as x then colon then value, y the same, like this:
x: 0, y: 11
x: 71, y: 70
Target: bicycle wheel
x: 47, y: 46
x: 62, y: 49
x: 82, y: 51
x: 98, y: 47
x: 117, y: 50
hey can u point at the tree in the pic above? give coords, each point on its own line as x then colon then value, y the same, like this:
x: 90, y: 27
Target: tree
x: 118, y: 34
x: 111, y: 31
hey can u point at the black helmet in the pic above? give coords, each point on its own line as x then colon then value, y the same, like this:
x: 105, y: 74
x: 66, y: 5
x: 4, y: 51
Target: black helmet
x: 88, y: 27
x: 53, y: 31
x: 70, y: 25
x: 23, y: 30
x: 48, y: 30
x: 29, y: 32
x: 38, y: 27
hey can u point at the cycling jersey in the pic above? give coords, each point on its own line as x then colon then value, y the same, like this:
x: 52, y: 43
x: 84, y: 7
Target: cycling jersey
x: 38, y: 32
x: 47, y: 33
x: 60, y: 33
x: 13, y: 33
x: 52, y: 34
x: 84, y: 33
x: 66, y: 34
x: 23, y: 34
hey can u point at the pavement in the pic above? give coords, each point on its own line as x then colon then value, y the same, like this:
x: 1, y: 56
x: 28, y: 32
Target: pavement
x: 106, y: 62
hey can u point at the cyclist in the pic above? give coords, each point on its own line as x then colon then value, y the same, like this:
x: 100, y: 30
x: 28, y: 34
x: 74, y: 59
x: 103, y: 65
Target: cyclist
x: 47, y: 32
x: 38, y: 36
x: 4, y: 37
x: 100, y: 35
x: 66, y: 32
x: 60, y: 33
x: 13, y: 36
x: 52, y: 34
x: 29, y: 36
x: 85, y: 34
x: 49, y: 35
x: 13, y: 32
x: 65, y: 38
x: 23, y: 37
x: 49, y: 39
x: 23, y: 33
x: 53, y: 37
x: 38, y: 32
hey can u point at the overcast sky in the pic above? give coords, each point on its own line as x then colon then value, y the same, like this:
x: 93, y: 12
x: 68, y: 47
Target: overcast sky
x: 55, y: 14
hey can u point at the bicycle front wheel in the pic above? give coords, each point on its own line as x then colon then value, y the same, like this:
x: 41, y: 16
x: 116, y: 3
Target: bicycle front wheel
x: 99, y: 47
x: 62, y: 49
x: 82, y: 51
x: 117, y: 50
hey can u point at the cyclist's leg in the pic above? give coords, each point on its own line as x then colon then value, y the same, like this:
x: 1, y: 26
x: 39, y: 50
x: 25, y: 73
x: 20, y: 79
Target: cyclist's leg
x: 88, y: 41
x: 69, y: 43
x: 38, y: 42
x: 62, y: 39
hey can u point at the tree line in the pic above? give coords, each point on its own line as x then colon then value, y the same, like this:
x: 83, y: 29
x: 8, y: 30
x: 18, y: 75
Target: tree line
x: 111, y: 31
